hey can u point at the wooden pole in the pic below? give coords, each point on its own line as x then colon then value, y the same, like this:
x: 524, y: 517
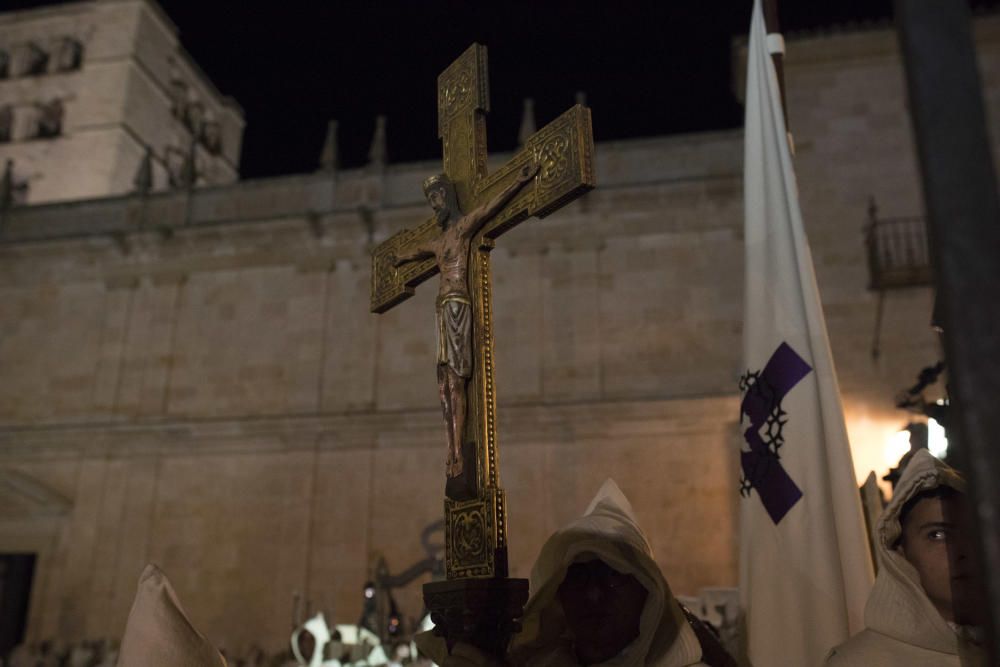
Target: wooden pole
x: 963, y: 216
x: 774, y: 27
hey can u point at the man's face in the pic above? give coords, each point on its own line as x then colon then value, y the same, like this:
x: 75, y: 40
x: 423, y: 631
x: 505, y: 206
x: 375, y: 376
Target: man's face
x: 936, y: 541
x: 602, y: 608
x: 438, y: 199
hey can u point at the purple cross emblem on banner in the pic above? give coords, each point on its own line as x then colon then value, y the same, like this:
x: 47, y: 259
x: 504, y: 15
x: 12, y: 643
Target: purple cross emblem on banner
x: 762, y: 469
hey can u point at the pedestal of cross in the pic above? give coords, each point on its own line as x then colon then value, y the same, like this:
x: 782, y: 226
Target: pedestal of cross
x: 477, y: 603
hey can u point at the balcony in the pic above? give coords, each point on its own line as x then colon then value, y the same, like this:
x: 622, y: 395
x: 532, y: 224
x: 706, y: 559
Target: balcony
x: 897, y: 251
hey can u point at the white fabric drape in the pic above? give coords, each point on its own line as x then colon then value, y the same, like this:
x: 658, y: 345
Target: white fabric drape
x: 805, y: 566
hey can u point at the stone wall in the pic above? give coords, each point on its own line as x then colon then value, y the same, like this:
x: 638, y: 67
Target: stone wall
x: 200, y: 379
x: 117, y: 101
x: 847, y: 102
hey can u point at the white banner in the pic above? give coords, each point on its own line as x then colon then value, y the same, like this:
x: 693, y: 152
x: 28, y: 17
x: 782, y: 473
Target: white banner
x: 805, y: 566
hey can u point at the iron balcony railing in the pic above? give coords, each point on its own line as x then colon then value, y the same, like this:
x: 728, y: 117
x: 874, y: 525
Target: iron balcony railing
x: 897, y: 252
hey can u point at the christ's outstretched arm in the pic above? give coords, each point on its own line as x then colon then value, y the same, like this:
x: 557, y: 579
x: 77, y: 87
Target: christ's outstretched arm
x: 489, y: 210
x: 410, y: 254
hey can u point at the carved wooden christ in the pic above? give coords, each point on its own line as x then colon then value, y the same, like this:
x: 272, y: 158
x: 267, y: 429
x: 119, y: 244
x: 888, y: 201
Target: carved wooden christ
x: 471, y: 208
x: 450, y: 250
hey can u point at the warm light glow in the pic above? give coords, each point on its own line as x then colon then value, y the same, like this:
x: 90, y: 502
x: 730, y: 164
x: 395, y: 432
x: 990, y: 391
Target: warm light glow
x: 870, y: 429
x: 937, y: 442
x: 896, y: 446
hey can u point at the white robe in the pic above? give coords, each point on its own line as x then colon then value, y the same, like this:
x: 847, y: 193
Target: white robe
x: 903, y: 627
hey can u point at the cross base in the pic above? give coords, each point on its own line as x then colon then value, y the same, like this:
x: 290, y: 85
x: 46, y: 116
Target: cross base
x: 482, y: 612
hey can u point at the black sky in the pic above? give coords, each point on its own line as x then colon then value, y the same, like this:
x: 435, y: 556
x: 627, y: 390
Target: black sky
x: 648, y: 68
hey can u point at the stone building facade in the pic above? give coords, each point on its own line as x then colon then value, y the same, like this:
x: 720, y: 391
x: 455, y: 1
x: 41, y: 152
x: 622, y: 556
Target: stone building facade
x: 193, y: 378
x: 87, y: 87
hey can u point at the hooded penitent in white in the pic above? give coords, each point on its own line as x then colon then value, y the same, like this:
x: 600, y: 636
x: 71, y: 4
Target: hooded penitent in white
x: 902, y: 626
x: 158, y: 632
x: 608, y: 531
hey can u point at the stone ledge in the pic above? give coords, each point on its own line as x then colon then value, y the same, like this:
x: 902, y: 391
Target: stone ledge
x: 519, y: 425
x: 664, y: 160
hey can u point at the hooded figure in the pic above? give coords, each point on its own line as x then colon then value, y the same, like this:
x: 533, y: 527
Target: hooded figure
x: 904, y: 624
x: 636, y: 615
x: 158, y: 633
x: 605, y: 542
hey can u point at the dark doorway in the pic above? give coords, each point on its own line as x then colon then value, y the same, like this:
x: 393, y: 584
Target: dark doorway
x: 16, y: 572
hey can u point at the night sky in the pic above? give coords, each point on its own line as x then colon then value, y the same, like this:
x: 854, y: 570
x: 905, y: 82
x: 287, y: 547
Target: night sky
x: 648, y: 68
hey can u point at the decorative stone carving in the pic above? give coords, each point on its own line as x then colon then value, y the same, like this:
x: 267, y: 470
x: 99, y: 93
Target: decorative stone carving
x: 143, y: 180
x: 69, y: 55
x: 329, y: 157
x: 211, y: 136
x: 178, y: 91
x: 528, y: 126
x: 13, y: 190
x: 35, y: 60
x: 194, y: 115
x: 174, y: 158
x: 182, y: 169
x: 378, y: 154
x: 50, y: 118
x: 6, y: 123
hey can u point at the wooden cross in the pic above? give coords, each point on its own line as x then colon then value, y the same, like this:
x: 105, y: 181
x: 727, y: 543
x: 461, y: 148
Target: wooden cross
x: 475, y: 516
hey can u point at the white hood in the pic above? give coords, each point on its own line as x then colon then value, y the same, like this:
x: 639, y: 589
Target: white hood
x: 608, y: 530
x: 898, y: 606
x: 903, y: 627
x: 158, y: 632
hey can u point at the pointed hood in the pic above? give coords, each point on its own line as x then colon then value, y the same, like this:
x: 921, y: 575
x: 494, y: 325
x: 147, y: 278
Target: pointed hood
x: 609, y: 531
x: 158, y: 633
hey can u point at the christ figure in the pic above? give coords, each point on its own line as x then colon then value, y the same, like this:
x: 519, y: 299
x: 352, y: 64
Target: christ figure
x: 451, y: 250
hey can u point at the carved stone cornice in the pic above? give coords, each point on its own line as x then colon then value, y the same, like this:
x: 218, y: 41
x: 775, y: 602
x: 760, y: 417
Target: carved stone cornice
x: 524, y: 425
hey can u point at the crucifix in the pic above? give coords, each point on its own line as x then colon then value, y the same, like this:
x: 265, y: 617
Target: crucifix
x: 477, y: 603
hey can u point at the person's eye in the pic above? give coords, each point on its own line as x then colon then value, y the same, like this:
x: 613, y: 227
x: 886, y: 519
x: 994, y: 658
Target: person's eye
x: 937, y: 535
